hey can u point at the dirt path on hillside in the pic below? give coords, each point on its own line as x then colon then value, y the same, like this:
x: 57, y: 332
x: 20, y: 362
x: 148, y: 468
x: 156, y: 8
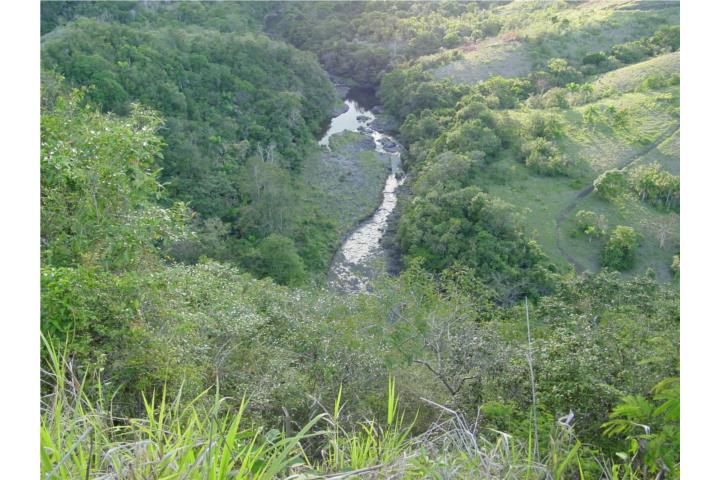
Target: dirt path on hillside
x: 579, y: 268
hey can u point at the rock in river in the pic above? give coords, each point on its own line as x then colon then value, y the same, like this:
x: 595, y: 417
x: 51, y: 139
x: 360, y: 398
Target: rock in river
x: 388, y: 144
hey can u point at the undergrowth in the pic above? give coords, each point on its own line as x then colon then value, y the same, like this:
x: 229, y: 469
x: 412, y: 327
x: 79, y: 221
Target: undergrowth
x: 204, y: 438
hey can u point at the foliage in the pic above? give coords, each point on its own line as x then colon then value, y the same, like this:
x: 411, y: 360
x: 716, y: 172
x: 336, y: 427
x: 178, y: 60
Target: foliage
x: 665, y: 39
x: 542, y: 156
x: 590, y: 224
x: 504, y: 93
x: 220, y: 17
x: 407, y: 91
x: 471, y: 227
x: 241, y: 116
x: 652, y: 428
x: 230, y: 101
x: 561, y: 73
x: 597, y: 318
x: 198, y: 438
x: 98, y: 183
x: 210, y: 436
x: 362, y: 41
x: 675, y: 267
x: 655, y: 186
x: 619, y: 251
x: 99, y: 220
x: 611, y: 184
x: 279, y: 260
x: 472, y: 136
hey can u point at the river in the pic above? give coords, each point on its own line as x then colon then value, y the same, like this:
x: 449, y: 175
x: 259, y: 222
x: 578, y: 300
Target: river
x: 362, y: 256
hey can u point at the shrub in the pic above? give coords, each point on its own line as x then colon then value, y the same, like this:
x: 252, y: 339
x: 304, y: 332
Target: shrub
x: 611, y: 184
x: 546, y: 126
x: 657, y: 187
x: 279, y: 260
x: 473, y: 135
x: 630, y: 52
x: 596, y: 58
x: 543, y: 157
x: 507, y: 92
x: 652, y: 427
x: 666, y: 38
x: 562, y: 73
x: 620, y: 249
x: 675, y: 267
x: 590, y: 224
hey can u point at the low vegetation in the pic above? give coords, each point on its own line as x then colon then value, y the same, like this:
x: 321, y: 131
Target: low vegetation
x: 189, y: 219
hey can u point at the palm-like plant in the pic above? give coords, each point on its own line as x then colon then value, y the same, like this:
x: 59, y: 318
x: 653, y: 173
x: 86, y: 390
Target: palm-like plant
x: 652, y: 428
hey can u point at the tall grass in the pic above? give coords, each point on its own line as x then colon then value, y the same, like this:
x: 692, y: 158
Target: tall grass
x: 203, y: 438
x: 81, y: 439
x: 369, y: 444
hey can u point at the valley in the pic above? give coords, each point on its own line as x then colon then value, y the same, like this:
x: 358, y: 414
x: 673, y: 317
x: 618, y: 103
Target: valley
x: 360, y: 240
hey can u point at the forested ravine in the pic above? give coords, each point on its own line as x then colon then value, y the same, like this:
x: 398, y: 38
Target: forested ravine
x: 362, y: 255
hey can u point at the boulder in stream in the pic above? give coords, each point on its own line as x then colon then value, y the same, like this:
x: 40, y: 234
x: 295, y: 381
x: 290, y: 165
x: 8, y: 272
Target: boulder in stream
x: 388, y: 144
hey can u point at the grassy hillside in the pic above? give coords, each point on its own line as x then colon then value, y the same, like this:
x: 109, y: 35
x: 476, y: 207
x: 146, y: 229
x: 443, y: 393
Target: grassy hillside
x: 594, y: 70
x: 595, y: 150
x: 531, y: 33
x: 632, y: 77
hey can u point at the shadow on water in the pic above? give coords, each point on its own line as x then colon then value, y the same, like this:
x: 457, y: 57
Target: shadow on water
x: 363, y: 96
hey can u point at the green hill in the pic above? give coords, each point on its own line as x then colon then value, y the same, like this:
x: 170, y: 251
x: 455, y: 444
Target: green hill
x: 535, y: 32
x: 189, y: 218
x: 605, y: 74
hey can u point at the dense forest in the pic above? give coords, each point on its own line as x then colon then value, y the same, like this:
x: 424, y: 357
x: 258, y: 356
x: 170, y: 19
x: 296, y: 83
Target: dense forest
x: 189, y: 218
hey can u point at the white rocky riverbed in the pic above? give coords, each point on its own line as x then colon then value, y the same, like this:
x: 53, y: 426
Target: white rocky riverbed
x: 362, y: 256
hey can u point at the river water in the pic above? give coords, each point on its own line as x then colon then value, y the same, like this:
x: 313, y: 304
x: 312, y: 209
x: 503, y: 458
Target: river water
x: 362, y: 256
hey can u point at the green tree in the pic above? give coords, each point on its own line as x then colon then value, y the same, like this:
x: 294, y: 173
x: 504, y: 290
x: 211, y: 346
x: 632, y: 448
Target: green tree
x: 561, y: 72
x: 657, y: 187
x: 591, y: 115
x: 224, y: 95
x: 98, y: 184
x: 278, y: 259
x: 272, y: 198
x: 543, y: 156
x: 479, y: 231
x: 620, y: 249
x: 100, y: 225
x: 473, y: 135
x: 590, y: 224
x: 611, y: 184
